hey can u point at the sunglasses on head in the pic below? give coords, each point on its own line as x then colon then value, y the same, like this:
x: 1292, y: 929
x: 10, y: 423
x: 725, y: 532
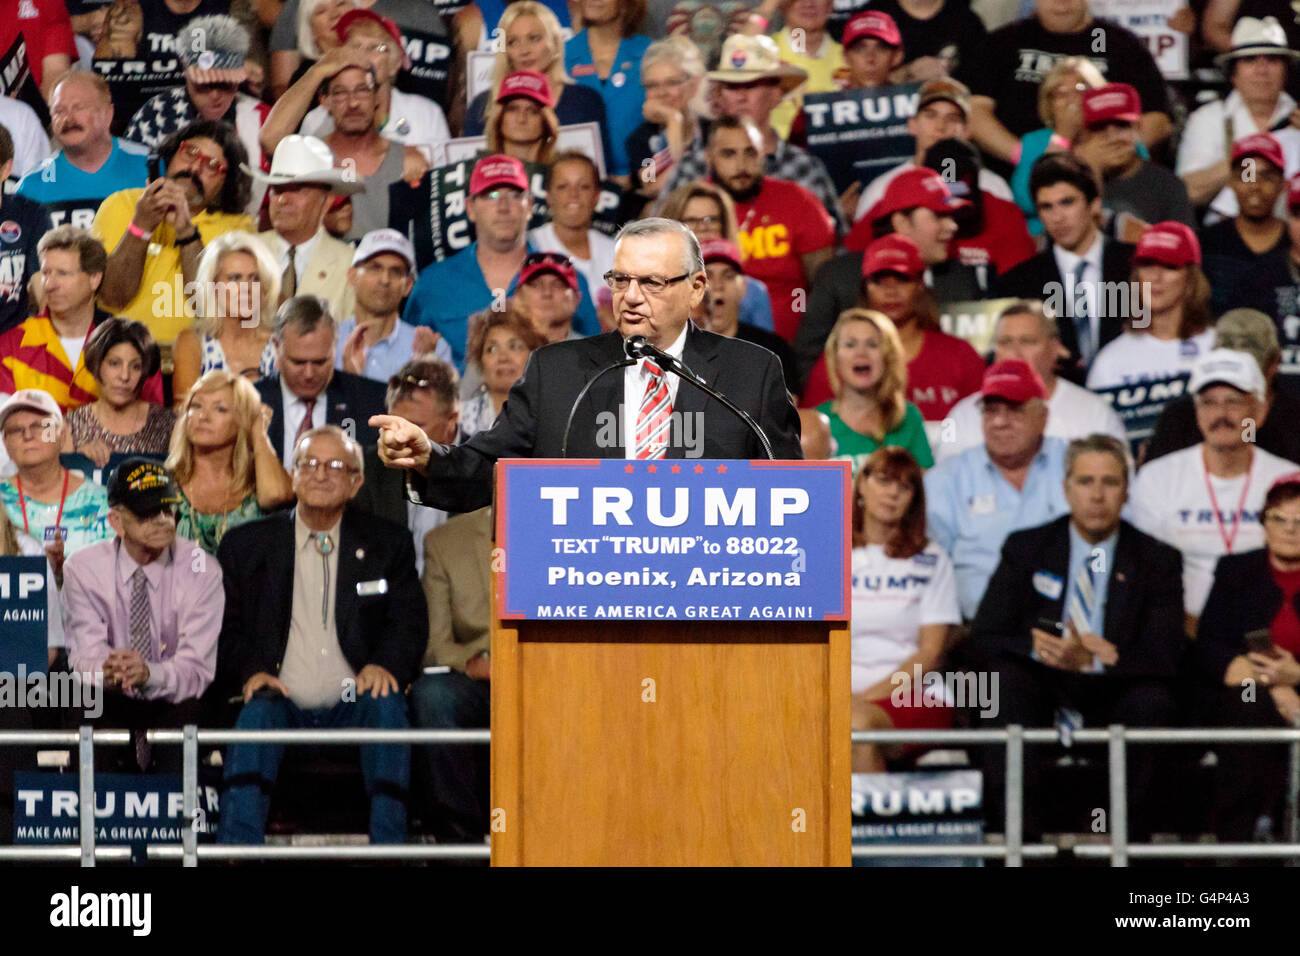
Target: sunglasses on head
x: 548, y: 259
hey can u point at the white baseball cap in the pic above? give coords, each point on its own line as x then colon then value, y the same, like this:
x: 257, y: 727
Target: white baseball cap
x: 31, y: 400
x: 384, y: 240
x: 1227, y: 367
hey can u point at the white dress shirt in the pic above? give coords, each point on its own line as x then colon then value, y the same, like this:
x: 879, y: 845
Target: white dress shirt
x: 635, y: 381
x: 1067, y: 262
x: 294, y: 410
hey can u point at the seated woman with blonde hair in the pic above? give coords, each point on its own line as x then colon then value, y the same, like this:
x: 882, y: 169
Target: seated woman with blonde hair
x: 239, y: 286
x: 223, y: 460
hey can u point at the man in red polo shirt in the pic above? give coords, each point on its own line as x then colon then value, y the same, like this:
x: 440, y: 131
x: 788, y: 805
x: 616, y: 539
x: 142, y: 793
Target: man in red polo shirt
x: 785, y: 232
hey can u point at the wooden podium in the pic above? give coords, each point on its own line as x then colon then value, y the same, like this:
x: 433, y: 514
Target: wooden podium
x: 668, y: 742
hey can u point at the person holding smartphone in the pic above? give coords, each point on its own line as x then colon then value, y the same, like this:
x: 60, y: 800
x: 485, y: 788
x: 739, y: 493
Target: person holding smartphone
x: 1246, y: 646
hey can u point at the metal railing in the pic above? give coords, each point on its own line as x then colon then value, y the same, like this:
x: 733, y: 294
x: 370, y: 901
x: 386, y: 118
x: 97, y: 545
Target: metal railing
x: 1013, y: 850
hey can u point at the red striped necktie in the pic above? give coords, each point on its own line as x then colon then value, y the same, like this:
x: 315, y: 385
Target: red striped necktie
x: 652, y: 419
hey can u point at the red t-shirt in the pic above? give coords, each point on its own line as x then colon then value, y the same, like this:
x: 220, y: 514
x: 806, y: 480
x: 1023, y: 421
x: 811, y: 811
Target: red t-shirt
x: 46, y: 30
x: 781, y: 224
x: 1286, y: 626
x: 1004, y: 243
x: 945, y: 371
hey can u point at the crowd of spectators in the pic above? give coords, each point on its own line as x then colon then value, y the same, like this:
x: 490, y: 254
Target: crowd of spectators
x: 233, y: 232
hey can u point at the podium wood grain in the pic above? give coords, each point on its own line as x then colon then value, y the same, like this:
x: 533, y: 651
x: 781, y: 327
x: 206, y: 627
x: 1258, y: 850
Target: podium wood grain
x: 742, y: 757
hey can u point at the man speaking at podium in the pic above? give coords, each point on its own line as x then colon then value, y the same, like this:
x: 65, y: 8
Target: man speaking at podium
x: 635, y: 408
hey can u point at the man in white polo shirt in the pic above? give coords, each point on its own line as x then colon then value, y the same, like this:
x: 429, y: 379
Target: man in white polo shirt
x: 1205, y: 500
x: 1025, y: 331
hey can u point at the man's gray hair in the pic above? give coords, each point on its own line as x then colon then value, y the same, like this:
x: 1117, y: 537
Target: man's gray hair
x: 304, y: 314
x: 1032, y: 307
x: 692, y: 258
x: 1098, y: 443
x: 349, y: 444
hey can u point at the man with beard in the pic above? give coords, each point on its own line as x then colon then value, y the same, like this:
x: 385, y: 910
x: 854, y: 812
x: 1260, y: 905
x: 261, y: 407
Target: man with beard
x: 1206, y: 500
x: 1237, y: 251
x: 156, y: 234
x: 212, y: 51
x: 91, y: 163
x: 785, y: 232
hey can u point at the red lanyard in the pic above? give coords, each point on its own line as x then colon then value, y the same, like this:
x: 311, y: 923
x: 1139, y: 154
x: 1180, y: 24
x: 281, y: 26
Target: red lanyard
x: 22, y: 501
x: 1236, y: 515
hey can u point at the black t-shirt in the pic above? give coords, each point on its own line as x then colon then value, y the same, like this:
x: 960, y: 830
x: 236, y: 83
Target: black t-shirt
x: 776, y: 345
x: 1235, y: 271
x: 1014, y: 59
x: 132, y: 81
x: 22, y: 223
x: 950, y: 34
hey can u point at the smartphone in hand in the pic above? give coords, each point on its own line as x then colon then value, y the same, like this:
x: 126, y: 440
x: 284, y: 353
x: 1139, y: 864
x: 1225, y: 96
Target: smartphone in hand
x: 1261, y: 642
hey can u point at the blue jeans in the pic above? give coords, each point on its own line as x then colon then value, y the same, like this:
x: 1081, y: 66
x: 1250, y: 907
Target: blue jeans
x: 452, y: 780
x: 251, y: 769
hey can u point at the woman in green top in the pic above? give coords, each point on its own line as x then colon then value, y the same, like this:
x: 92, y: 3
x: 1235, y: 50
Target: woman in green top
x: 868, y: 377
x: 223, y: 460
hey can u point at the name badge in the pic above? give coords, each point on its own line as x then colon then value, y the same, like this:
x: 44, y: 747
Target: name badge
x: 1048, y: 585
x: 51, y: 530
x: 371, y: 588
x: 983, y: 505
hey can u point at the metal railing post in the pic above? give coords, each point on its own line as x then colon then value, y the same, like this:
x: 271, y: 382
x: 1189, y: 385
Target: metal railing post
x: 1118, y: 796
x: 190, y: 797
x: 86, y: 775
x: 1015, y: 795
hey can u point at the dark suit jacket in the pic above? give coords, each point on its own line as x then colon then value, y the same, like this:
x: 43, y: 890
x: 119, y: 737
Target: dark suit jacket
x: 1244, y: 598
x: 348, y: 397
x: 1032, y: 278
x: 383, y: 492
x: 257, y: 561
x: 532, y: 421
x: 1144, y: 599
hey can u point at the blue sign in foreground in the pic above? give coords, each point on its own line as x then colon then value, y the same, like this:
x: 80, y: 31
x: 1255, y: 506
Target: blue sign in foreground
x: 673, y: 539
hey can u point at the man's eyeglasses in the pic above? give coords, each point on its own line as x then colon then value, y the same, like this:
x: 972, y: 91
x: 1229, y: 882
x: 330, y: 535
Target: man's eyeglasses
x: 332, y: 466
x: 345, y: 96
x: 190, y: 150
x: 504, y: 192
x: 1282, y: 522
x: 654, y: 285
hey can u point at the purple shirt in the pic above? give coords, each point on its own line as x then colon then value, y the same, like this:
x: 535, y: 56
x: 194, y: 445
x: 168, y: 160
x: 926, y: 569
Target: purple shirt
x: 186, y: 602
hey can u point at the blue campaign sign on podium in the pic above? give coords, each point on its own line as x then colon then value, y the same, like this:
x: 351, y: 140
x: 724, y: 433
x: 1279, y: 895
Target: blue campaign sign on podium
x: 673, y: 539
x: 24, y: 606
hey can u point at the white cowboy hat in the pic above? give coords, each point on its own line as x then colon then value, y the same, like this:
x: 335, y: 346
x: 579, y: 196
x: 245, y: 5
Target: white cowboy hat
x: 748, y: 58
x: 1255, y: 37
x: 305, y: 159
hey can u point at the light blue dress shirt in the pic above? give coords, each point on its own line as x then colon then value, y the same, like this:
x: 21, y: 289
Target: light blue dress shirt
x: 971, y: 508
x: 385, y: 357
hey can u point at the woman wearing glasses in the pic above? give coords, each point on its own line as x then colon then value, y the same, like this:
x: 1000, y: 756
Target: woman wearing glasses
x: 671, y: 71
x: 708, y: 211
x: 1247, y: 643
x: 222, y: 460
x: 240, y: 285
x: 499, y: 346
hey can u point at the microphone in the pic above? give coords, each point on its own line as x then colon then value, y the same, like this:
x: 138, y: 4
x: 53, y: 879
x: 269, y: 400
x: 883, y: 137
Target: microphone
x: 638, y: 346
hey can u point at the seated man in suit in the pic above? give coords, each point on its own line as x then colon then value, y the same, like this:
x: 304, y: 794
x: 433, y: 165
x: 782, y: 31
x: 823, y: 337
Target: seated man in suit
x: 143, y: 616
x: 425, y: 392
x: 658, y: 280
x: 307, y: 392
x: 1118, y: 596
x: 324, y: 627
x: 1073, y: 273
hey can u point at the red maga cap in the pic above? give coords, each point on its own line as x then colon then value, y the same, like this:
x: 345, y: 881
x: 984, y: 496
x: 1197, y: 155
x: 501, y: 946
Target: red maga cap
x: 893, y: 253
x: 917, y: 186
x: 1259, y: 144
x: 352, y: 17
x: 556, y: 262
x: 872, y: 23
x: 1114, y: 101
x: 1169, y: 243
x: 527, y: 83
x: 1014, y: 380
x: 498, y: 170
x: 721, y: 250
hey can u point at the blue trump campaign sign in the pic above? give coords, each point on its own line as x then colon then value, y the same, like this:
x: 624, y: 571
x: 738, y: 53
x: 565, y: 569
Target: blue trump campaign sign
x: 862, y: 133
x: 24, y: 610
x: 673, y: 538
x: 129, y: 808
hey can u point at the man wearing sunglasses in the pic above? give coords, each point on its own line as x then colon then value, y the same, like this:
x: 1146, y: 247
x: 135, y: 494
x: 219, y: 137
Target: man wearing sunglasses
x: 485, y: 273
x: 155, y: 235
x: 143, y: 616
x: 657, y: 281
x: 212, y: 51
